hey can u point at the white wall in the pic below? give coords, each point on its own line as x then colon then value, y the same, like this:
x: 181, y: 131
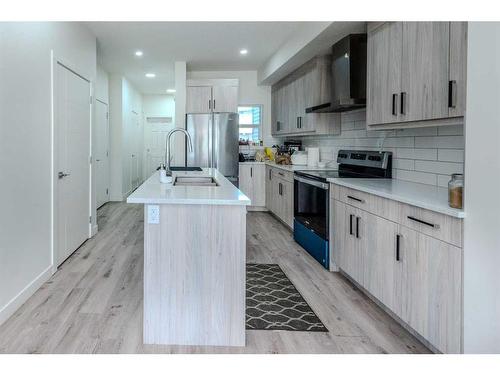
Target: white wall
x: 101, y: 90
x: 249, y: 93
x: 123, y: 99
x: 482, y: 186
x: 424, y: 155
x: 26, y: 148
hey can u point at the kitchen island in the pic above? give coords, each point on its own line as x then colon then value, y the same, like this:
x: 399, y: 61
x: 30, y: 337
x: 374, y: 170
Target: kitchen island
x: 194, y: 260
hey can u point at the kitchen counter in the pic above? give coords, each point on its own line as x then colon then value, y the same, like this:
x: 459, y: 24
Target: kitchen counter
x: 429, y: 197
x: 290, y: 168
x: 154, y: 192
x: 194, y: 261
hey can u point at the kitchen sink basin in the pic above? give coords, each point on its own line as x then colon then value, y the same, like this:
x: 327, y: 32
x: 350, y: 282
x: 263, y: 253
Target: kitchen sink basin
x: 186, y: 169
x: 195, y: 181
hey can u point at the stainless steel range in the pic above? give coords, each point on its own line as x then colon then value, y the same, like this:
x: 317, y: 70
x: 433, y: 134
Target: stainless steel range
x: 311, y: 197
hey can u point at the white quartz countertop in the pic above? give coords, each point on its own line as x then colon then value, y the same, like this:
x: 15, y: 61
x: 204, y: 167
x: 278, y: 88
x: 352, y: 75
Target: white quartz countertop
x: 429, y: 197
x: 154, y: 192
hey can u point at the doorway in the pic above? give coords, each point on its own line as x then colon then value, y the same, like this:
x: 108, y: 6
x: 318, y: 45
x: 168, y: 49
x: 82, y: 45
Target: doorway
x: 72, y: 109
x: 156, y: 130
x: 101, y: 153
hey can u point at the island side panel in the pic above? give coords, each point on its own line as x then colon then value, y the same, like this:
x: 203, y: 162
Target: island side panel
x: 194, y: 275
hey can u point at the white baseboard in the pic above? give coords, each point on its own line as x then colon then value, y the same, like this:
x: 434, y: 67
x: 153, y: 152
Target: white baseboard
x: 10, y: 308
x: 256, y: 208
x: 95, y: 229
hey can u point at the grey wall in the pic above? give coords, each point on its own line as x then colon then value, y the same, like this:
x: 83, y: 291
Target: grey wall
x: 482, y: 187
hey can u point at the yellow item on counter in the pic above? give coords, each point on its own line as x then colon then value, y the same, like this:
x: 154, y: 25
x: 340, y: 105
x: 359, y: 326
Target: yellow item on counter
x: 269, y: 152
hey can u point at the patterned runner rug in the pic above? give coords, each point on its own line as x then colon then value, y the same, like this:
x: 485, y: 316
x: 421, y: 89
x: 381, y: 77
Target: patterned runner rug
x: 273, y: 303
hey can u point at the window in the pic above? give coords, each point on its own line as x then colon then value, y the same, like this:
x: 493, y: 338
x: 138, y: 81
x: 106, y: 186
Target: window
x: 250, y: 122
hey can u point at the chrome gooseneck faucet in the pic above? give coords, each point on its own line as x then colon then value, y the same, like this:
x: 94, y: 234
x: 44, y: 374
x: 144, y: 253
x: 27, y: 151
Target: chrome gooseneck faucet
x: 167, y: 147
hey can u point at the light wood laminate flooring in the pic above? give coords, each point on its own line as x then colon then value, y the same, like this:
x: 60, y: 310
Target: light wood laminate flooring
x: 93, y: 304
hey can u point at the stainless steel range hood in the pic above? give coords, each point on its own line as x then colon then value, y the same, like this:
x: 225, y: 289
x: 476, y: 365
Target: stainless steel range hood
x: 348, y: 86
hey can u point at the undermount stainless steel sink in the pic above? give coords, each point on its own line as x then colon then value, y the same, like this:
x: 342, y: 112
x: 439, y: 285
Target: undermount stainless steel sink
x: 195, y: 181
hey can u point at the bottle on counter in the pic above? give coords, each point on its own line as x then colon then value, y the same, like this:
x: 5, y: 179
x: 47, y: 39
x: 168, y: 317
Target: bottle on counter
x: 455, y: 190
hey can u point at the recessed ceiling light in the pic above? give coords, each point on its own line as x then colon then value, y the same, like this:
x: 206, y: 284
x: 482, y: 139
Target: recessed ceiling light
x: 243, y: 51
x: 170, y: 91
x: 138, y: 53
x: 150, y: 75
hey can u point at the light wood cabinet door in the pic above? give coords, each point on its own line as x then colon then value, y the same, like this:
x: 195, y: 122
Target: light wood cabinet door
x: 458, y: 68
x: 381, y: 267
x: 258, y: 177
x: 198, y: 99
x: 225, y: 99
x: 245, y: 183
x: 431, y: 290
x: 425, y: 64
x: 337, y: 232
x: 287, y: 202
x: 384, y: 59
x: 351, y: 254
x: 270, y: 199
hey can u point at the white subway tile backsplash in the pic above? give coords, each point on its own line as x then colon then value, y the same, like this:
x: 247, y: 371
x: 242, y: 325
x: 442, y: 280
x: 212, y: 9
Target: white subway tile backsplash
x: 440, y: 142
x: 438, y: 167
x: 417, y: 132
x: 417, y: 153
x: 407, y: 164
x: 414, y: 176
x: 451, y: 130
x: 443, y: 180
x: 456, y: 156
x: 424, y: 155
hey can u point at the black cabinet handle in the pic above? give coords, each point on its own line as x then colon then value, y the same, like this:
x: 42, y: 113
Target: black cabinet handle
x: 251, y: 171
x: 350, y: 224
x: 280, y: 189
x: 452, y: 94
x: 403, y: 103
x: 209, y: 104
x: 270, y: 178
x: 355, y: 199
x: 357, y: 226
x: 398, y: 241
x: 435, y: 226
x: 394, y: 104
x: 214, y: 103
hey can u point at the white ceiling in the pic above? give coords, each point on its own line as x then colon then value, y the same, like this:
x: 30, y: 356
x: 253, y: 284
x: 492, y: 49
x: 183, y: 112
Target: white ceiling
x: 204, y: 45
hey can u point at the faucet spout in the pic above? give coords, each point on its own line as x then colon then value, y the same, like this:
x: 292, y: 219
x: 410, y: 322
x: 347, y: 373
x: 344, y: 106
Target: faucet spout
x: 167, y: 146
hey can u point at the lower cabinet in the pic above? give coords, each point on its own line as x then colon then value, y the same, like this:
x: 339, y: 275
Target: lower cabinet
x: 416, y: 276
x: 431, y: 284
x: 279, y: 194
x: 252, y: 182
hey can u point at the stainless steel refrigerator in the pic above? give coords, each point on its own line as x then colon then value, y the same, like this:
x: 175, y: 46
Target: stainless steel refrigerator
x: 215, y: 142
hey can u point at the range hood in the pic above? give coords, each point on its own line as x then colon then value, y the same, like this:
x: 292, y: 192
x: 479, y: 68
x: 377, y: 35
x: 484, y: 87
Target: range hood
x: 348, y: 85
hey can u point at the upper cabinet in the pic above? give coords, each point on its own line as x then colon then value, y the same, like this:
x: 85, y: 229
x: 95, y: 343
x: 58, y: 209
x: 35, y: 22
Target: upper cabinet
x: 307, y: 86
x: 415, y: 73
x: 205, y: 96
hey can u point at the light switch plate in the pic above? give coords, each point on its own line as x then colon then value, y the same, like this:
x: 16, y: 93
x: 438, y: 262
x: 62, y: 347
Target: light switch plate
x: 153, y: 214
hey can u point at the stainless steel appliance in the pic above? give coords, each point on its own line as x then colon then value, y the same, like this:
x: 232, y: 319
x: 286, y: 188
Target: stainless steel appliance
x: 348, y: 85
x: 215, y: 142
x: 311, y: 196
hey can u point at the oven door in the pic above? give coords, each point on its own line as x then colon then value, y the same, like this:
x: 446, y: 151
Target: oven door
x: 311, y: 205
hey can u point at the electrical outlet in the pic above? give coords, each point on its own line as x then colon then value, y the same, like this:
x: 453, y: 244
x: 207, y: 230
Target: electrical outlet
x: 153, y: 214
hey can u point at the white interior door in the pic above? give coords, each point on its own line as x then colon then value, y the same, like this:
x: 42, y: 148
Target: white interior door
x: 101, y: 153
x: 72, y: 161
x: 155, y: 136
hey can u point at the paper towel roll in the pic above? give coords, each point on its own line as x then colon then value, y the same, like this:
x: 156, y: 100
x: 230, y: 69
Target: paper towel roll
x: 312, y: 156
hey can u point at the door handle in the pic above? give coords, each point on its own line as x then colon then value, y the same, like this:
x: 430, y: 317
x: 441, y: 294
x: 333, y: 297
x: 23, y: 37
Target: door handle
x: 350, y: 224
x: 398, y: 240
x: 394, y: 104
x: 403, y: 103
x: 62, y: 175
x: 97, y: 159
x: 357, y: 226
x: 452, y: 94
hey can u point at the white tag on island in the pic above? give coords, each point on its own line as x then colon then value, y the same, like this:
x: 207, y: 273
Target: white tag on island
x: 153, y: 214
